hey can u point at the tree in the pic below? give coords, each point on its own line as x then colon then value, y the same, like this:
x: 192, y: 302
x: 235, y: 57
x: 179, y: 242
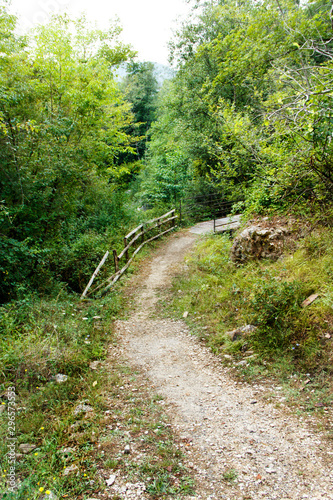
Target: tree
x: 140, y: 88
x: 251, y: 99
x: 63, y: 124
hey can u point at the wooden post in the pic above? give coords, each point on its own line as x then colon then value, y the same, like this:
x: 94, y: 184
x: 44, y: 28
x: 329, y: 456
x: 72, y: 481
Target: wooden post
x: 125, y: 244
x: 180, y: 212
x: 94, y: 275
x: 143, y: 233
x: 116, y: 261
x: 214, y: 224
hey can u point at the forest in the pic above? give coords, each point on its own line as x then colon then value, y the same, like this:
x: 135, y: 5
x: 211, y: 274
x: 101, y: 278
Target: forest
x: 248, y: 116
x: 88, y: 152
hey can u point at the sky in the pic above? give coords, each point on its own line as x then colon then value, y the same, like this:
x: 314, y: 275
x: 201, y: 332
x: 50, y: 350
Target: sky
x: 147, y: 24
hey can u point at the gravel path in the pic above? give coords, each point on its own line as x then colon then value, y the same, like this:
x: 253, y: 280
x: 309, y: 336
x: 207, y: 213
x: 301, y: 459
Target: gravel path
x: 239, y: 446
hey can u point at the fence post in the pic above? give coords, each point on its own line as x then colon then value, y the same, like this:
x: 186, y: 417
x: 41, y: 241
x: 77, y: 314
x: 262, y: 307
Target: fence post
x: 116, y: 261
x: 180, y: 212
x: 126, y: 253
x: 143, y: 233
x: 214, y: 224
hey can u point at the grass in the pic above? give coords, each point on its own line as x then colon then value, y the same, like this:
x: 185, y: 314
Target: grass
x: 75, y: 452
x: 291, y: 344
x: 230, y: 475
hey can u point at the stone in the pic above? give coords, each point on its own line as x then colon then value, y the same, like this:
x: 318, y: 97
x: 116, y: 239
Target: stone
x: 185, y: 314
x: 111, y: 480
x: 27, y: 448
x: 258, y: 243
x: 240, y: 332
x: 69, y: 470
x: 93, y: 365
x: 60, y: 377
x: 127, y: 449
x: 83, y: 408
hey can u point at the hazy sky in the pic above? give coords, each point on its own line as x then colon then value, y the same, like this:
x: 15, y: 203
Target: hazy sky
x: 147, y: 24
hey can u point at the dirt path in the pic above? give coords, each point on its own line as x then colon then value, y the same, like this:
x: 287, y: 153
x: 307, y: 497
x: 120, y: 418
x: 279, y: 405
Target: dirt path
x: 238, y: 446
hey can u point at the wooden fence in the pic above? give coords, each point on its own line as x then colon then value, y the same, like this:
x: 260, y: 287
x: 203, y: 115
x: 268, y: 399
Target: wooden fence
x: 138, y: 235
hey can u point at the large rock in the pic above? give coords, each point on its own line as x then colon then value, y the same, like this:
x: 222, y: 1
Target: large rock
x: 258, y: 243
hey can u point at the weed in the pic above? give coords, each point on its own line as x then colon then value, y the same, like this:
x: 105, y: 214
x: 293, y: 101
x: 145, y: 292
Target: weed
x: 230, y: 475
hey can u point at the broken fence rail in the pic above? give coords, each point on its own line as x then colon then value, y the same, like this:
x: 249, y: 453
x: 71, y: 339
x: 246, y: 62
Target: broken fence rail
x: 130, y: 239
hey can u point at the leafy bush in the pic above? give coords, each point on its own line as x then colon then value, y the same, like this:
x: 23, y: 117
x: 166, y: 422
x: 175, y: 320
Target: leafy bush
x: 274, y: 306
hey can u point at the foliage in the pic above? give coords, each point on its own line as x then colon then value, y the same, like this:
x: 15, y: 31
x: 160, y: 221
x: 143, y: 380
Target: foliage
x: 40, y: 338
x: 250, y: 106
x: 63, y: 126
x: 140, y: 88
x: 266, y: 294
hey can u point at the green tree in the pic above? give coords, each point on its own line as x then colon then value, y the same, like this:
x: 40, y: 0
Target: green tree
x: 141, y: 88
x: 63, y: 126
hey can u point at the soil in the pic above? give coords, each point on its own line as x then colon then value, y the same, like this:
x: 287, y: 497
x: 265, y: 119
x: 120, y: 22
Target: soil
x: 237, y: 444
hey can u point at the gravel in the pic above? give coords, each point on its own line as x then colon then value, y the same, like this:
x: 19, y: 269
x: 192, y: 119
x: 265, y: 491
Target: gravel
x: 238, y: 445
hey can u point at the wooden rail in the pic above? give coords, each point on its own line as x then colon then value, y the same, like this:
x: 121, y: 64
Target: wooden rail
x: 139, y: 233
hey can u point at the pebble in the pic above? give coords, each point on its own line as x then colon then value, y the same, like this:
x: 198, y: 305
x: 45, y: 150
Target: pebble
x: 27, y: 448
x: 69, y: 470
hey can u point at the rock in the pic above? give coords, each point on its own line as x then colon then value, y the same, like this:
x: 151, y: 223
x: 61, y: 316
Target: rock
x: 2, y: 408
x: 185, y: 314
x: 93, y: 365
x: 258, y: 243
x: 240, y: 332
x: 69, y: 470
x: 83, y: 408
x: 127, y: 449
x: 60, y: 377
x: 111, y: 480
x: 27, y: 448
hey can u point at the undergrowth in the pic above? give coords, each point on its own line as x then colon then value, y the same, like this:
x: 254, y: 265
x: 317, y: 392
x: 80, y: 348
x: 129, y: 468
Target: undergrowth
x: 44, y: 338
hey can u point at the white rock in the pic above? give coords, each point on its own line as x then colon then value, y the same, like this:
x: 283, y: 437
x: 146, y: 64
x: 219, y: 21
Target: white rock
x: 111, y: 480
x: 27, y: 448
x: 69, y: 470
x: 83, y: 408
